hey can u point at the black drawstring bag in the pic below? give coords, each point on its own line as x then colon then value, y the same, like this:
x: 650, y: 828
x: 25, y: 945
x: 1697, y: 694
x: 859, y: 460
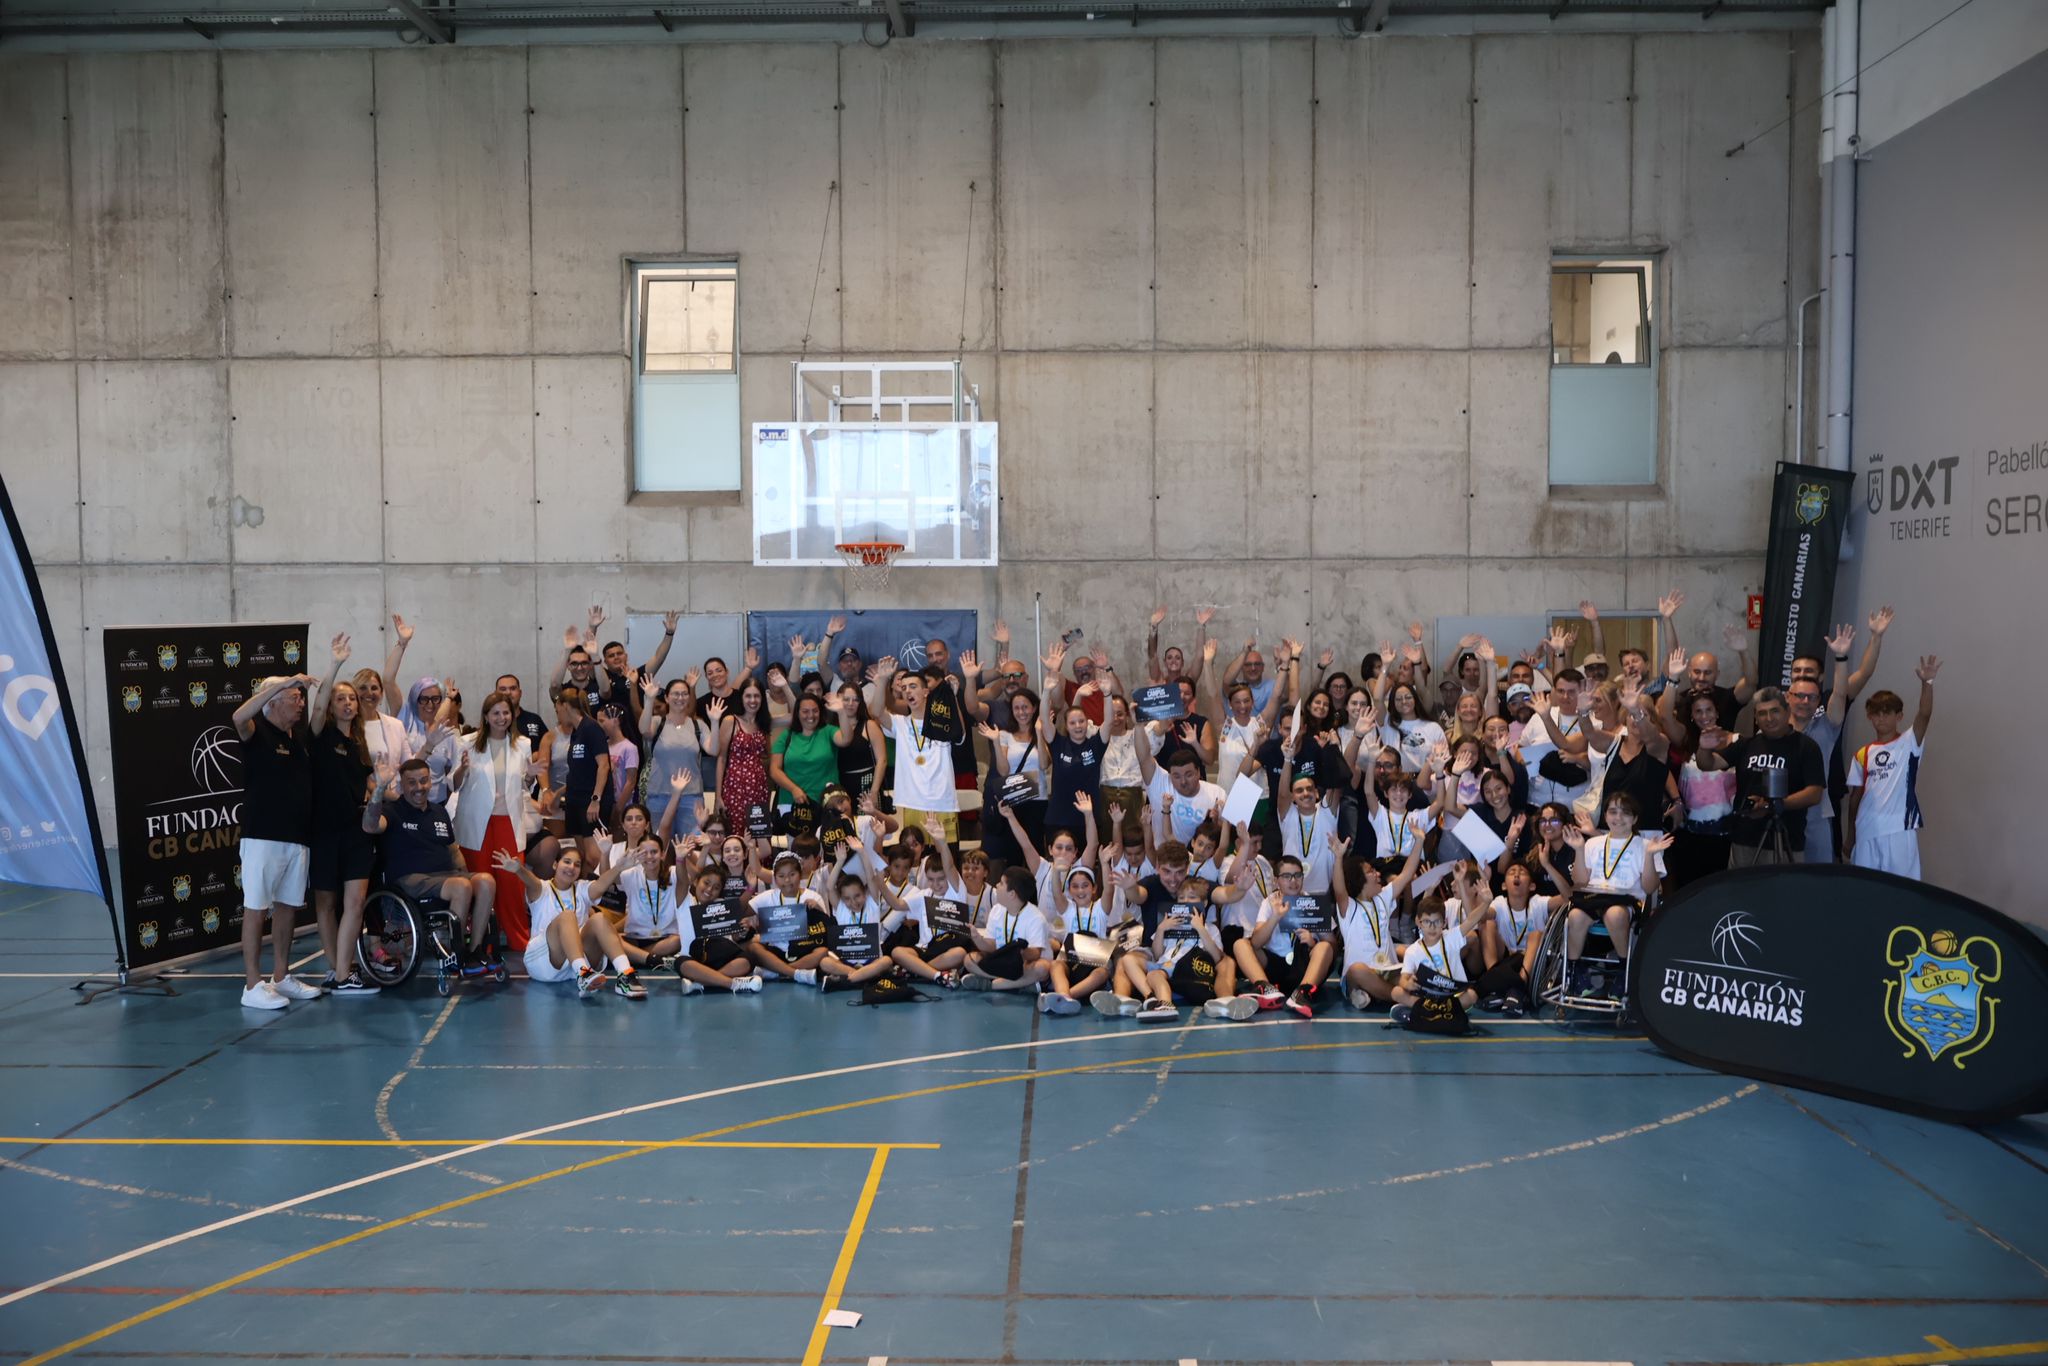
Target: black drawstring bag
x: 888, y: 989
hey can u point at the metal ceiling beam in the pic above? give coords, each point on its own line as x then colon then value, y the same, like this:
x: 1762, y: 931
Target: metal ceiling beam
x: 900, y: 24
x: 432, y: 29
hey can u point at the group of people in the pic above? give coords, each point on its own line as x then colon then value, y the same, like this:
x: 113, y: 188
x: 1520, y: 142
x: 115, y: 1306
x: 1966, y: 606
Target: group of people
x: 1233, y: 838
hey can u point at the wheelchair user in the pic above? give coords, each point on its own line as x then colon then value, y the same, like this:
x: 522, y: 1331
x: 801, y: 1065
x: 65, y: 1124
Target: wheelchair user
x: 422, y: 862
x: 1614, y: 874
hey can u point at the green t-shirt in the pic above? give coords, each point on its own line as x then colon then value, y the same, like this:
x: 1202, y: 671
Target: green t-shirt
x: 811, y: 761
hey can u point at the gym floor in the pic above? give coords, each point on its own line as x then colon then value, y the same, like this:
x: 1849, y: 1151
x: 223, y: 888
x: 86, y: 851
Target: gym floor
x: 512, y: 1174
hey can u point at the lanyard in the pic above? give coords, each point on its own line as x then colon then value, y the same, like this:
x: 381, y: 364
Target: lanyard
x: 653, y: 902
x: 1087, y: 921
x: 1518, y: 923
x: 1010, y: 924
x: 556, y: 892
x: 1397, y: 830
x: 1606, y: 868
x: 1369, y: 912
x: 1305, y: 825
x: 860, y: 917
x: 1260, y: 873
x: 1430, y: 956
x: 917, y: 733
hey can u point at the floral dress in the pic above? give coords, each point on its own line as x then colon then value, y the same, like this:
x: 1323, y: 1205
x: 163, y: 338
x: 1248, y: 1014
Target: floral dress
x: 746, y: 773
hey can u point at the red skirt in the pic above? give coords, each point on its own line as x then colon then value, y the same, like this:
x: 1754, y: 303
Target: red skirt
x: 508, y: 907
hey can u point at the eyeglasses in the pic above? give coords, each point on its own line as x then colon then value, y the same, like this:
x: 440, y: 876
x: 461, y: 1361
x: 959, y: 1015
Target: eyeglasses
x: 1290, y: 877
x: 1551, y: 820
x: 430, y: 699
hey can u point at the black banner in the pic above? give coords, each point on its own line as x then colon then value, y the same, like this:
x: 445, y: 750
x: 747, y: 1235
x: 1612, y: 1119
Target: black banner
x: 1809, y: 509
x: 1852, y: 982
x: 177, y: 767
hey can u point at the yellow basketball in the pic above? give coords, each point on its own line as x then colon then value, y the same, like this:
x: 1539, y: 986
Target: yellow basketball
x: 1943, y: 942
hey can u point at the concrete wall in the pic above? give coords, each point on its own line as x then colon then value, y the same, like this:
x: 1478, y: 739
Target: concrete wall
x: 337, y: 333
x: 1951, y: 448
x: 1932, y: 65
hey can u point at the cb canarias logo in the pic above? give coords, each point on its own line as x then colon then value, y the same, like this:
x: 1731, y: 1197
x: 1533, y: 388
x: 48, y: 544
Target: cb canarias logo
x: 1812, y: 503
x: 167, y: 657
x: 181, y: 887
x: 195, y: 693
x: 146, y: 933
x: 209, y: 919
x: 131, y: 698
x: 231, y: 653
x: 292, y: 652
x: 1937, y: 1001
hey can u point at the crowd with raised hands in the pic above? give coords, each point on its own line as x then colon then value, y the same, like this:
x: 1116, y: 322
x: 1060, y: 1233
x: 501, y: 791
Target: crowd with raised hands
x: 1271, y: 832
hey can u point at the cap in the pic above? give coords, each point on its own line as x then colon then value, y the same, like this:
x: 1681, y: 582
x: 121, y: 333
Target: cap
x: 849, y: 653
x: 1595, y: 658
x: 1520, y: 692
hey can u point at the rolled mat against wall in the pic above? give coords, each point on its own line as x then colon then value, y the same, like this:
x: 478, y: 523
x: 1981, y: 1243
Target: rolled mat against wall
x: 1854, y: 983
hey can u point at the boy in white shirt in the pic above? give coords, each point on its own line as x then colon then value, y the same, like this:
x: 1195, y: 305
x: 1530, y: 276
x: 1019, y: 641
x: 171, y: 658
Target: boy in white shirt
x: 925, y: 796
x: 1283, y: 961
x: 1365, y: 924
x: 1509, y: 941
x: 1189, y: 800
x: 938, y: 930
x: 1881, y: 819
x: 1438, y: 956
x: 1010, y: 951
x: 1305, y: 831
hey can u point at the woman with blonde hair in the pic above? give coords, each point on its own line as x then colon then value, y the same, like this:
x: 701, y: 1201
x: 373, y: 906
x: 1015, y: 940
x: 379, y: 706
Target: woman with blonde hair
x: 492, y: 810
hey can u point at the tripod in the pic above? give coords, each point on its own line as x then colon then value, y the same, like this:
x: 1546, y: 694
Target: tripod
x: 1773, y: 844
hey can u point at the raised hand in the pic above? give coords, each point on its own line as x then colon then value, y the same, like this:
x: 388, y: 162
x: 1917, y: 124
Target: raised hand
x: 505, y: 861
x: 970, y: 662
x: 1001, y: 633
x: 837, y: 703
x: 1575, y: 837
x: 1669, y: 603
x: 1412, y: 652
x: 1368, y: 719
x: 1928, y: 668
x: 797, y: 646
x: 1486, y: 651
x: 1516, y: 826
x: 1561, y: 638
x: 597, y: 616
x: 714, y: 710
x: 1100, y: 656
x: 1088, y: 689
x: 403, y: 631
x: 690, y: 677
x: 989, y: 733
x: 339, y: 645
x: 1735, y: 637
x: 1339, y: 846
x: 1532, y: 657
x: 1415, y: 631
x: 571, y: 637
x: 1204, y: 615
x: 1326, y: 658
x: 1714, y: 738
x: 1055, y: 658
x: 753, y: 656
x: 703, y: 812
x: 603, y: 840
x: 1674, y: 664
x: 1588, y: 610
x: 834, y: 625
x: 1158, y: 616
x: 679, y: 781
x: 669, y: 620
x: 1083, y: 803
x: 1439, y: 756
x: 1881, y: 620
x: 885, y: 665
x: 1291, y: 646
x: 649, y: 684
x: 1208, y: 651
x: 1657, y: 844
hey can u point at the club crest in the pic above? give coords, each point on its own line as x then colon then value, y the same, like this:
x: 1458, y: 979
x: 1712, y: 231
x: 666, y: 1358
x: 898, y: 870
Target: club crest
x: 1812, y: 503
x: 231, y: 653
x: 1937, y: 1002
x: 167, y: 657
x: 146, y: 934
x: 195, y: 693
x: 209, y: 919
x: 292, y: 651
x: 181, y: 888
x: 131, y: 698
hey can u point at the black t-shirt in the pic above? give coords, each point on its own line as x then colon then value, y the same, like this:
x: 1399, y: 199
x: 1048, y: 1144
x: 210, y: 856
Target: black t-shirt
x: 616, y: 690
x: 1158, y: 901
x: 595, y: 694
x: 586, y: 746
x: 1562, y: 859
x: 532, y: 727
x: 340, y: 778
x: 1643, y: 779
x: 1075, y: 768
x: 1751, y: 759
x: 1322, y: 762
x: 1725, y: 705
x: 416, y: 840
x: 277, y: 785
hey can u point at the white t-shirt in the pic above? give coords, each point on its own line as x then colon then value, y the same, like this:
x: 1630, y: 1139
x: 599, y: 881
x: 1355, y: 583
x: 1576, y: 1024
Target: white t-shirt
x: 773, y: 897
x: 1177, y: 942
x: 1092, y: 920
x: 1366, y: 927
x: 924, y: 768
x: 1236, y: 742
x: 1889, y: 775
x: 1536, y: 743
x: 1447, y: 958
x: 1395, y: 840
x: 552, y: 902
x: 1308, y: 839
x: 1183, y: 814
x: 1414, y: 739
x: 1009, y: 755
x: 1516, y: 926
x: 650, y: 906
x: 1027, y: 925
x: 1120, y: 767
x: 1610, y: 867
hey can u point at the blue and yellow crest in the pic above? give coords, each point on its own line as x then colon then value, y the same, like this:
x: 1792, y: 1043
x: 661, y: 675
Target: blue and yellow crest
x: 1812, y: 503
x: 195, y: 693
x: 209, y: 919
x: 167, y: 656
x: 291, y: 652
x: 231, y: 653
x: 146, y: 933
x: 181, y: 887
x: 1937, y: 1001
x: 238, y: 875
x: 131, y: 698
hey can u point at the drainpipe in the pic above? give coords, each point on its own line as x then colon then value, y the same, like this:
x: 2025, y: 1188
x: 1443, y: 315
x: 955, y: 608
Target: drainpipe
x: 1839, y: 306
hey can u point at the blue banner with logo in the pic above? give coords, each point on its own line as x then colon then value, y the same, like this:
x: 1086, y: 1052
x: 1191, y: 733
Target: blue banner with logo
x: 171, y: 697
x: 905, y: 634
x: 49, y: 832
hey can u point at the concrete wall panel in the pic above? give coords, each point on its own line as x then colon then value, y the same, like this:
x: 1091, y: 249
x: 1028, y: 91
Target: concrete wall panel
x: 1390, y: 455
x: 1080, y: 429
x: 1716, y: 597
x: 919, y: 131
x: 579, y: 462
x: 305, y: 449
x: 1550, y: 137
x: 1359, y: 603
x: 474, y: 622
x: 301, y: 166
x: 453, y: 236
x: 1513, y: 512
x: 1235, y: 128
x: 39, y: 457
x: 1722, y: 216
x: 35, y: 210
x: 1723, y: 419
x: 1077, y: 204
x: 1233, y: 456
x: 1392, y: 192
x: 445, y: 420
x: 153, y: 461
x: 607, y: 133
x: 761, y: 149
x: 330, y: 599
x: 1518, y: 587
x: 146, y: 210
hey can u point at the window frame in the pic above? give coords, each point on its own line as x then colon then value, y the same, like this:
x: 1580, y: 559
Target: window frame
x: 647, y: 274
x: 1646, y: 322
x: 637, y: 269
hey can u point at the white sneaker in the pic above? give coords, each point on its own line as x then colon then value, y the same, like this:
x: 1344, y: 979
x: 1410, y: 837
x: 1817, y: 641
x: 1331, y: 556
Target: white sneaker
x: 1237, y: 1007
x: 1107, y: 1004
x: 691, y: 988
x: 1159, y: 1010
x: 746, y: 984
x: 261, y: 997
x: 293, y: 989
x: 1053, y: 1003
x: 1360, y: 999
x: 805, y: 977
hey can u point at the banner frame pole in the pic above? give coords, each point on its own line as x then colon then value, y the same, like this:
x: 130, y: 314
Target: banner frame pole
x: 77, y: 737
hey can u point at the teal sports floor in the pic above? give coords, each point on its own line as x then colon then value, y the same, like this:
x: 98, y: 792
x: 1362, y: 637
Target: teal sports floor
x: 511, y: 1174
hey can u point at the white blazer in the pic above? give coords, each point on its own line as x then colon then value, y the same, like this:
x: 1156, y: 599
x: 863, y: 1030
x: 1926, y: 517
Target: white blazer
x: 474, y: 801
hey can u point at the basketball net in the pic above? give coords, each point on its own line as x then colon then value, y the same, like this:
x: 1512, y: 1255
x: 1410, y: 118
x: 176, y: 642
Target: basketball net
x: 869, y: 562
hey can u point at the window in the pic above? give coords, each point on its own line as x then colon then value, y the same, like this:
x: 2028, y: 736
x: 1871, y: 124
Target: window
x: 683, y: 325
x: 1603, y: 371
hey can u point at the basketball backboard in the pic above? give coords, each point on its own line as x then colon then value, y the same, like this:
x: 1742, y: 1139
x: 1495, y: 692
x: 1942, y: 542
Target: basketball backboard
x: 927, y: 486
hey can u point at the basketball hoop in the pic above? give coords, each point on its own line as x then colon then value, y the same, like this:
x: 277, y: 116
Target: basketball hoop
x: 870, y: 561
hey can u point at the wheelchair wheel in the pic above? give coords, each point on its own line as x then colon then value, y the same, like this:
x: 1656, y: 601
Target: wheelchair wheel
x: 1546, y: 976
x: 388, y: 949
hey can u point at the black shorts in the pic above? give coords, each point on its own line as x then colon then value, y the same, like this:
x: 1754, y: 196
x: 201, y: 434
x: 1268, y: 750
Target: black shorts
x: 716, y: 951
x: 1231, y: 934
x: 942, y: 943
x: 339, y: 857
x: 1285, y: 975
x: 1193, y: 978
x: 645, y: 944
x: 576, y: 814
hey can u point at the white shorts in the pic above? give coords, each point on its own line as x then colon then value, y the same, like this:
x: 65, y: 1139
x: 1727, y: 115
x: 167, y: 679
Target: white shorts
x: 1897, y: 853
x: 273, y: 873
x: 538, y: 964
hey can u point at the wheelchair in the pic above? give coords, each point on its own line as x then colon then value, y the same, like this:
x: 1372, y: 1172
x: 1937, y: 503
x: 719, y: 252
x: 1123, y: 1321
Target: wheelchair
x: 399, y: 933
x: 1606, y: 975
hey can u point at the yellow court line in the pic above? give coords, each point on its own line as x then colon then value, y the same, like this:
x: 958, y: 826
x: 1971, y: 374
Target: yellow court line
x: 2010, y: 1349
x: 246, y: 1276
x: 1943, y: 1343
x: 820, y: 1331
x: 644, y: 1144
